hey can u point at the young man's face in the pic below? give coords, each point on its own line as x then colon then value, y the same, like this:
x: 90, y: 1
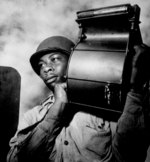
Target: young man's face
x: 53, y: 68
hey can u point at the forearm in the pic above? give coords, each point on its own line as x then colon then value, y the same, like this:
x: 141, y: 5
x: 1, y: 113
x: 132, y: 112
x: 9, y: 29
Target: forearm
x: 131, y: 133
x: 132, y: 117
x: 40, y: 141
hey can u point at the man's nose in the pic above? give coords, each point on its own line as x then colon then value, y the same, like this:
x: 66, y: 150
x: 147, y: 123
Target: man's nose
x: 48, y: 68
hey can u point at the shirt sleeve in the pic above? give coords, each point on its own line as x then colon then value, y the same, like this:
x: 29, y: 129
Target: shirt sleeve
x: 35, y: 143
x: 129, y: 142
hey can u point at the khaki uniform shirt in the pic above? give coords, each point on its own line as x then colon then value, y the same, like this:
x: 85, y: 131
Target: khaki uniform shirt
x: 86, y: 138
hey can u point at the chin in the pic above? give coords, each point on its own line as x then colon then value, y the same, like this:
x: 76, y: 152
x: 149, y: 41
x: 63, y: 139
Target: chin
x: 50, y: 86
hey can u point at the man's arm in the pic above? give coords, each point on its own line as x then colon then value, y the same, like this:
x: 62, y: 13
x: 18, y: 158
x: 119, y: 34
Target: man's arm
x: 37, y: 144
x: 130, y: 141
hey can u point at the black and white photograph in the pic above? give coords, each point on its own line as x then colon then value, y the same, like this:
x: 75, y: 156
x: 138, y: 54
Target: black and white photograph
x: 75, y: 80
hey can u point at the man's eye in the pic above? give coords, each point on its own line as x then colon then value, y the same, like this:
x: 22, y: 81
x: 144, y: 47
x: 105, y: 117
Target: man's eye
x: 54, y: 59
x: 40, y: 65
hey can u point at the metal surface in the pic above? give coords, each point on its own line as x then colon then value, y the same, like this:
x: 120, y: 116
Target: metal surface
x: 99, y: 68
x: 10, y: 81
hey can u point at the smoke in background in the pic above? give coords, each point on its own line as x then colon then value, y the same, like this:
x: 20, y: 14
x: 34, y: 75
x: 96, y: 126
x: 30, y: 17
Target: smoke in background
x: 24, y: 24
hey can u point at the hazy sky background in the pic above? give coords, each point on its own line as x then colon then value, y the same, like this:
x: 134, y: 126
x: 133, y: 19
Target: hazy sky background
x: 25, y: 23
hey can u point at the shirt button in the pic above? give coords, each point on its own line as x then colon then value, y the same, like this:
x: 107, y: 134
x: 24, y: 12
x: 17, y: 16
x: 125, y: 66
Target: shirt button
x: 100, y: 127
x: 66, y: 142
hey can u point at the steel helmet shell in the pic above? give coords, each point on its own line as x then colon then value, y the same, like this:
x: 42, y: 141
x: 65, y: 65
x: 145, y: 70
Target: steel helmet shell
x: 51, y: 44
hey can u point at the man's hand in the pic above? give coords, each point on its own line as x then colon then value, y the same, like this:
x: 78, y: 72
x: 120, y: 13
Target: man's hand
x: 140, y: 67
x: 58, y: 108
x: 60, y: 92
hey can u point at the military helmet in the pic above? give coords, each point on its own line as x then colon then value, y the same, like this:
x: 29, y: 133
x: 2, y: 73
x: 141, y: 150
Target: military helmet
x: 51, y: 44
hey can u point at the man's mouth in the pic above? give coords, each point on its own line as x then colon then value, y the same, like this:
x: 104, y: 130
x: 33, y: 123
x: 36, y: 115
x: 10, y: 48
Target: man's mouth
x: 50, y: 79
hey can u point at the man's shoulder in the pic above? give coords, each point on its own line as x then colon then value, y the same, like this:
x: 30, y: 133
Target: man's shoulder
x: 38, y: 112
x: 49, y: 100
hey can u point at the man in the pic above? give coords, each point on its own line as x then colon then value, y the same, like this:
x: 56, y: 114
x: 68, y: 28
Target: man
x: 54, y: 131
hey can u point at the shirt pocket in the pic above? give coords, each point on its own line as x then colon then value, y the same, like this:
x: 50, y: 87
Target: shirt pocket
x: 97, y: 142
